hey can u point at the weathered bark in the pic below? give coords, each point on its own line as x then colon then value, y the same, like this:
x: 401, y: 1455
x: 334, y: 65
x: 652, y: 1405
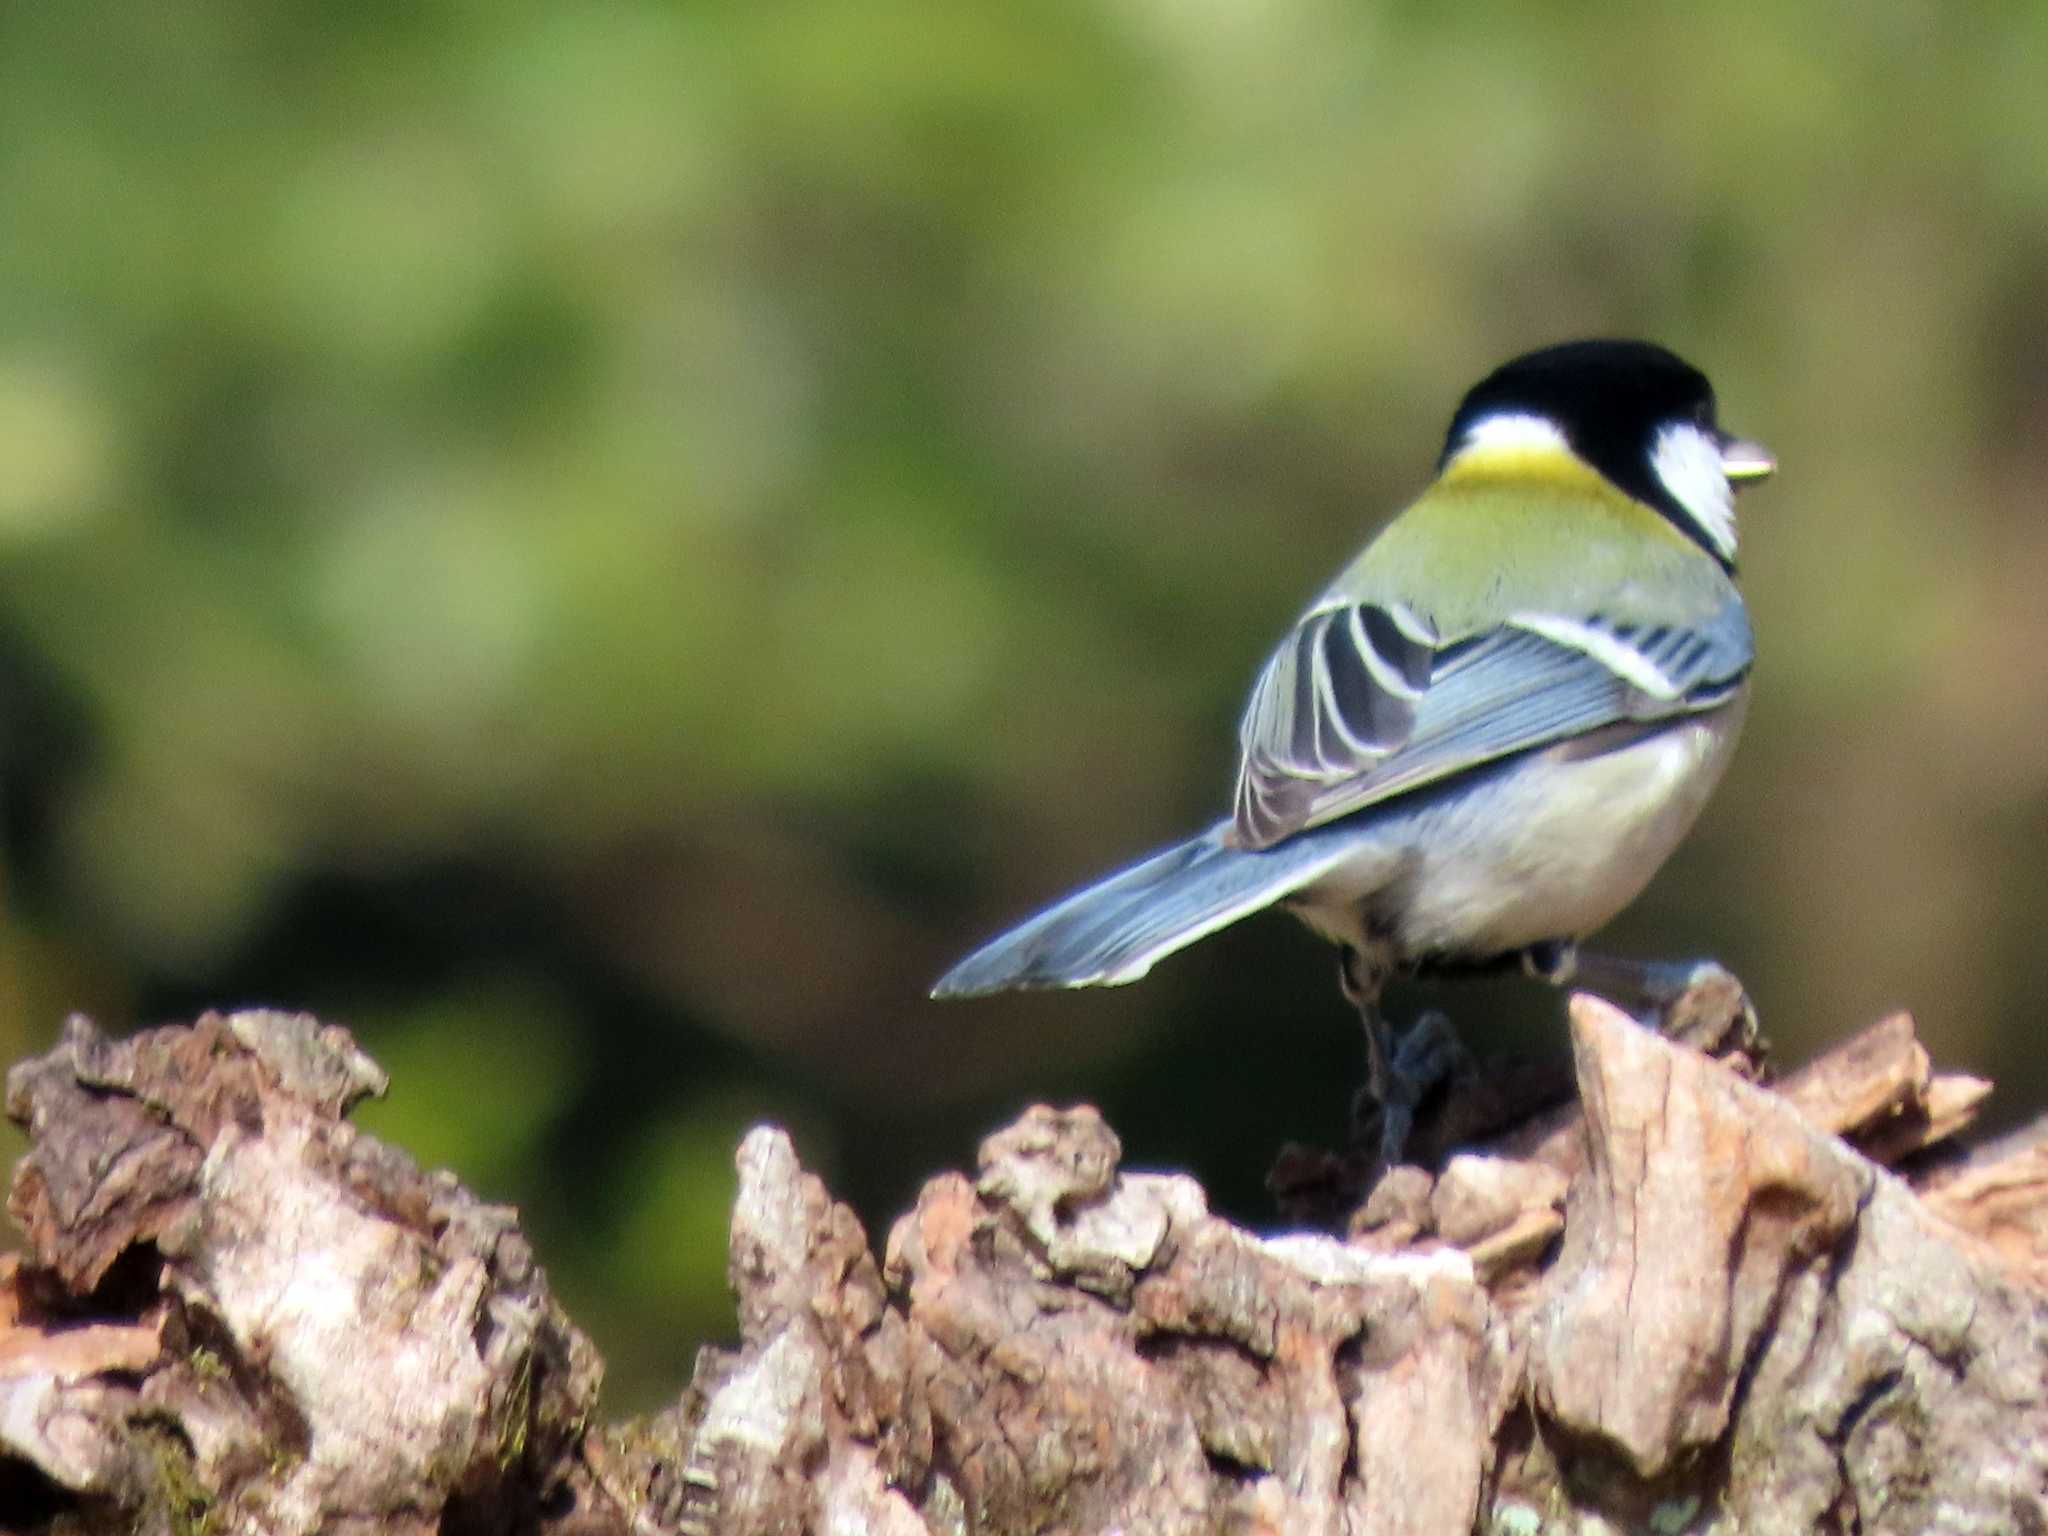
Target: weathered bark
x: 1698, y: 1305
x: 296, y: 1329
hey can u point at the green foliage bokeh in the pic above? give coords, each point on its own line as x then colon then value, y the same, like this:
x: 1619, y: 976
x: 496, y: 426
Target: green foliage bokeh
x: 602, y: 546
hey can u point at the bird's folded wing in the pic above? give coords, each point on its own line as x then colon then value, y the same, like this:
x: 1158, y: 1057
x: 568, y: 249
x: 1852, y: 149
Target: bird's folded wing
x: 1364, y: 701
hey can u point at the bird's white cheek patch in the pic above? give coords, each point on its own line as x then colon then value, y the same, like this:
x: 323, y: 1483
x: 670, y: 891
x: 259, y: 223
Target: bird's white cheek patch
x: 1687, y: 460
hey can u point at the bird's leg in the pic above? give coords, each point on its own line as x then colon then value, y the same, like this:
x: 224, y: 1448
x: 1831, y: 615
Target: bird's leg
x: 1653, y: 990
x: 1556, y: 962
x: 1361, y: 986
x: 1399, y: 1071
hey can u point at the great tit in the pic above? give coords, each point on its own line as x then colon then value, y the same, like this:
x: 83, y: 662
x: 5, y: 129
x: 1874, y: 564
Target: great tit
x: 1486, y: 735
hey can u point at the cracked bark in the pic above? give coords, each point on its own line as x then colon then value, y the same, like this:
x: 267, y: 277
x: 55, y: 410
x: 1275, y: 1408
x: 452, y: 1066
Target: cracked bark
x: 1698, y: 1304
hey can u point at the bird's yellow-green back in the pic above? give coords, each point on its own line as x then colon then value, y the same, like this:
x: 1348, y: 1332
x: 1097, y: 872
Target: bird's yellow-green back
x: 1507, y: 514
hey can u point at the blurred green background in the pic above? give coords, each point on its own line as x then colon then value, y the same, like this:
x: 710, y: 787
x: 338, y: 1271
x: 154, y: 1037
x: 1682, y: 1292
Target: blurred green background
x: 603, y: 546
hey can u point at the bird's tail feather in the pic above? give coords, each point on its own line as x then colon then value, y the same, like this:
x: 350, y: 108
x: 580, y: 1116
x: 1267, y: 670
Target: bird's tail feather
x: 1117, y: 929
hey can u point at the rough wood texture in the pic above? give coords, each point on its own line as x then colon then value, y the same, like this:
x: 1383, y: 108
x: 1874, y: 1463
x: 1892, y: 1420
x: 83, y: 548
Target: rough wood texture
x: 1696, y: 1304
x: 297, y: 1330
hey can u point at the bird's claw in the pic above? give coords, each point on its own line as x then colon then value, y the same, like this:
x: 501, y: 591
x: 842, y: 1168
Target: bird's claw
x: 1696, y: 1002
x: 1711, y: 1011
x: 1425, y: 1055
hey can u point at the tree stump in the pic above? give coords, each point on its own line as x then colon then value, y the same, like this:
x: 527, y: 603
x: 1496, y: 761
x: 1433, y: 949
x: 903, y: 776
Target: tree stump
x: 1688, y: 1303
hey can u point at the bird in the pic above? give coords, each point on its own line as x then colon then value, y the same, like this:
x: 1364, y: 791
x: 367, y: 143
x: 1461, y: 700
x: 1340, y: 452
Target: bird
x: 1483, y: 738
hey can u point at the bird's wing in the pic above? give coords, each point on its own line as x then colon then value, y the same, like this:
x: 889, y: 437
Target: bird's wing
x: 1364, y: 700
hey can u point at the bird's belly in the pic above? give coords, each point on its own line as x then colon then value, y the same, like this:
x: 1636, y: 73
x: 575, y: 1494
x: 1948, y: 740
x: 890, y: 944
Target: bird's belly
x: 1551, y: 846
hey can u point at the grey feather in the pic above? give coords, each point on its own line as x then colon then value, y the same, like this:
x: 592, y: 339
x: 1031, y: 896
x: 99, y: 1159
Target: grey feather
x: 1117, y: 929
x: 1327, y: 735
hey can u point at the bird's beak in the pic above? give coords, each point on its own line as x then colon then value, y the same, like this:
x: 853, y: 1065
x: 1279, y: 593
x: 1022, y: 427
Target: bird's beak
x: 1743, y: 461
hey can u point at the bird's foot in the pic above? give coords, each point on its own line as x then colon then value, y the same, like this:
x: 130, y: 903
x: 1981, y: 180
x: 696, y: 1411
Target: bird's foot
x: 1696, y: 1002
x: 1423, y: 1057
x: 1712, y: 1012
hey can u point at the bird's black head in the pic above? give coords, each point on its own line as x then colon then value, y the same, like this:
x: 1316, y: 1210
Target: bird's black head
x: 1641, y: 416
